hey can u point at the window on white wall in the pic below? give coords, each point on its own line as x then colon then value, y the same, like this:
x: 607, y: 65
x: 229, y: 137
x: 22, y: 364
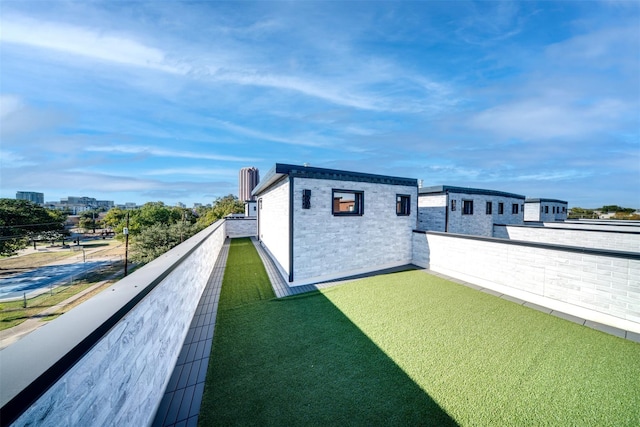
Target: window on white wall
x: 453, y: 205
x: 467, y: 207
x: 403, y: 204
x: 514, y: 208
x: 347, y: 202
x: 489, y: 208
x: 500, y: 208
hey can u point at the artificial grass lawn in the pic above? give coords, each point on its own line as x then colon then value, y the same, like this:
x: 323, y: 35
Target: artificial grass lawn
x: 406, y: 349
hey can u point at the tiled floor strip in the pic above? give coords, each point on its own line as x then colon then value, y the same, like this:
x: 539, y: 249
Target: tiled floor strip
x: 181, y: 403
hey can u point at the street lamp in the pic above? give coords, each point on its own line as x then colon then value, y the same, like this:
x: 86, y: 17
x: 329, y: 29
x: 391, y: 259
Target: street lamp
x: 125, y: 231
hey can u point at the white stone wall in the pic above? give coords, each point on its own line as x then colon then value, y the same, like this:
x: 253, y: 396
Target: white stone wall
x: 273, y: 222
x: 122, y: 379
x: 595, y: 286
x: 614, y: 226
x: 544, y: 211
x: 244, y: 227
x: 432, y: 212
x: 615, y: 241
x: 333, y: 246
x: 532, y: 211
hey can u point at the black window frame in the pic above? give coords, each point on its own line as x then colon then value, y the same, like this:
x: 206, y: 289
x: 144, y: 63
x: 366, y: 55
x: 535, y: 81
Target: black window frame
x: 514, y: 208
x: 467, y: 207
x: 358, y: 199
x: 489, y: 208
x: 403, y: 204
x: 453, y: 205
x: 500, y: 208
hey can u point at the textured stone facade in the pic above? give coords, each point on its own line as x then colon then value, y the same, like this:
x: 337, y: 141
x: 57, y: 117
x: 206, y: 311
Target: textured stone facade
x: 446, y: 212
x: 596, y: 239
x: 121, y: 380
x: 273, y: 222
x: 242, y: 227
x: 325, y: 245
x: 545, y: 210
x: 605, y: 286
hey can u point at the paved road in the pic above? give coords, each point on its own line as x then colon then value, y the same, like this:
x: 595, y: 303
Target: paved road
x: 43, y: 277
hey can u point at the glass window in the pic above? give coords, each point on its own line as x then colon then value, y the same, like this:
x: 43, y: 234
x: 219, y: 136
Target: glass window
x: 453, y: 205
x: 346, y: 202
x: 500, y: 208
x: 467, y: 207
x: 514, y: 208
x: 403, y: 204
x: 489, y: 209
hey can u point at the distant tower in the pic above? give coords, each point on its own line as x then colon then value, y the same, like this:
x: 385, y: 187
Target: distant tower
x: 247, y: 181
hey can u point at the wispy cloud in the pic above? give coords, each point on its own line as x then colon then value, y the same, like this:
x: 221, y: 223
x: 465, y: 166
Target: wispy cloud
x: 85, y: 42
x: 161, y: 152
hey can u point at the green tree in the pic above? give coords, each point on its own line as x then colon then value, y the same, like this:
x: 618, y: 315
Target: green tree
x: 156, y: 239
x: 222, y: 207
x: 21, y: 221
x: 89, y: 220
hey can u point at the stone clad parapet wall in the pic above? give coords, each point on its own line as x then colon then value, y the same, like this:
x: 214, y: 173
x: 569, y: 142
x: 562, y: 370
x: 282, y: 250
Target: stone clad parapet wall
x: 603, y: 286
x: 242, y: 227
x: 121, y: 379
x: 597, y: 239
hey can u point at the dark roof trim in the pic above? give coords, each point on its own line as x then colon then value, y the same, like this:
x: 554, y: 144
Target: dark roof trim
x: 281, y: 169
x: 545, y: 200
x: 441, y: 189
x: 549, y: 246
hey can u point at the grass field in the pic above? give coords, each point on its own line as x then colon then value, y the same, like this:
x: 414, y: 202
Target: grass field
x: 407, y: 349
x: 13, y: 313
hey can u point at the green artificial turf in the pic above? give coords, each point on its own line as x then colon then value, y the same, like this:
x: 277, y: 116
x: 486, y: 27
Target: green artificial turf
x: 406, y: 349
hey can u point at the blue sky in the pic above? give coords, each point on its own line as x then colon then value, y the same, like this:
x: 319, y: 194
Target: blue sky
x: 137, y: 102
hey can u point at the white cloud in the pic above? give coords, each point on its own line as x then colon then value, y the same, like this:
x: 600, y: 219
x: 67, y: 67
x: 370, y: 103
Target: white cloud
x: 84, y: 42
x: 161, y: 152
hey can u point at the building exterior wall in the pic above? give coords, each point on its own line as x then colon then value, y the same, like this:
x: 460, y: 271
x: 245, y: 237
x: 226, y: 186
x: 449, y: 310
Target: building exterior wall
x: 273, y: 222
x: 432, y: 216
x: 595, y: 285
x: 610, y: 240
x: 122, y: 378
x: 242, y: 227
x: 432, y: 212
x: 32, y: 196
x: 325, y: 245
x: 251, y: 209
x: 545, y: 211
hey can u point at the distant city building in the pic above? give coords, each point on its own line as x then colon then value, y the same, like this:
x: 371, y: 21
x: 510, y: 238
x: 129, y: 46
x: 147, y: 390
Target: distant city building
x: 76, y: 205
x: 545, y: 210
x: 463, y: 210
x: 31, y: 196
x: 180, y: 205
x: 248, y: 179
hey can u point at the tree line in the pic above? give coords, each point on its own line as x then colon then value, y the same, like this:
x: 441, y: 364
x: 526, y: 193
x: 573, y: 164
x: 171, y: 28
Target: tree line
x: 153, y: 228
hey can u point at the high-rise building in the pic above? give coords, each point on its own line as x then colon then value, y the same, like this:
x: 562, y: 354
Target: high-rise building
x: 247, y: 181
x: 30, y: 196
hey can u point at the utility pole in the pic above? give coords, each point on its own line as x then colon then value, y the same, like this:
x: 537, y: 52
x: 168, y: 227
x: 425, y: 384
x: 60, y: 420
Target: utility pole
x: 126, y: 245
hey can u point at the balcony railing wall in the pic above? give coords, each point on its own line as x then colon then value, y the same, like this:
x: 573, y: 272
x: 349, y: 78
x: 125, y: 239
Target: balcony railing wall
x: 108, y: 361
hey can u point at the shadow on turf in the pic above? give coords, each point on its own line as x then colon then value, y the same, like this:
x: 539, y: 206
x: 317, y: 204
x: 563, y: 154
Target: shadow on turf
x: 300, y: 361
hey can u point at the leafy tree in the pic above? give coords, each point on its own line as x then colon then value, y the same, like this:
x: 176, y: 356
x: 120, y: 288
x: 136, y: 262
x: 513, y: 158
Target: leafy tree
x: 89, y: 220
x: 222, y: 207
x: 21, y: 220
x: 158, y: 238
